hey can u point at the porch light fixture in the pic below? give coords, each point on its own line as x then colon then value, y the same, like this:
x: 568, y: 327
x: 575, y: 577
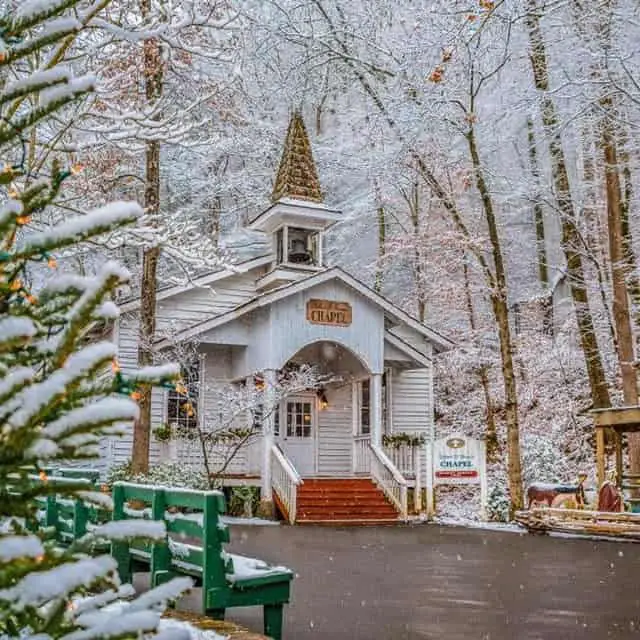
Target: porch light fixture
x: 259, y: 384
x: 323, y: 403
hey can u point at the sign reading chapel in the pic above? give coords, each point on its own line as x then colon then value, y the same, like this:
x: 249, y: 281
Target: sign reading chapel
x: 330, y: 312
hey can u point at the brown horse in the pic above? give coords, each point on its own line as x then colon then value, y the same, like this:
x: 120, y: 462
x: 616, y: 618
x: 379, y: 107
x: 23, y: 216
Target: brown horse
x: 542, y: 492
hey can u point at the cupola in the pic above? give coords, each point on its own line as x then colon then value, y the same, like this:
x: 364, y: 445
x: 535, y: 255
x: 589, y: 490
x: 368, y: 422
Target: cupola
x: 297, y: 217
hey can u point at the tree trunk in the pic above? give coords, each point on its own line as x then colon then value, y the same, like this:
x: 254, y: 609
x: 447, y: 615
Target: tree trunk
x: 413, y: 200
x: 595, y: 235
x: 382, y: 239
x: 538, y: 214
x: 633, y: 281
x: 491, y: 433
x: 619, y: 267
x: 501, y: 314
x: 148, y: 285
x: 570, y: 238
x: 541, y: 242
x: 620, y: 303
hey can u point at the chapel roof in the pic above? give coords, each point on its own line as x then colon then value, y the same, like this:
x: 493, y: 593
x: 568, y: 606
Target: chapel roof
x: 297, y: 176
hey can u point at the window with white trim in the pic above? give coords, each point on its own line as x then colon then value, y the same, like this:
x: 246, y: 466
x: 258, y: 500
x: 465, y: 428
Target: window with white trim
x: 276, y: 420
x: 182, y: 408
x: 364, y: 400
x: 258, y: 418
x: 299, y: 419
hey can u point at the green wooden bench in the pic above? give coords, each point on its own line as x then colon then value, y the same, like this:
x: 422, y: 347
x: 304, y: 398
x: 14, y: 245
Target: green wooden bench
x: 227, y: 580
x: 64, y: 519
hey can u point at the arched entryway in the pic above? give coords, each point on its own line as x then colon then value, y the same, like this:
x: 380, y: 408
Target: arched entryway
x: 315, y: 428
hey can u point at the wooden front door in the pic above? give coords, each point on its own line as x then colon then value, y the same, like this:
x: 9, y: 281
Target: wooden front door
x: 299, y: 433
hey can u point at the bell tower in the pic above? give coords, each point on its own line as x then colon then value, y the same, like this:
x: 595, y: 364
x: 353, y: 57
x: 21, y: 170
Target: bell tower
x: 297, y: 217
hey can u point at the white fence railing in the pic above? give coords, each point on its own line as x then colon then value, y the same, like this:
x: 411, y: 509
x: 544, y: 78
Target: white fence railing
x: 404, y: 458
x: 285, y: 480
x: 361, y: 454
x: 389, y: 479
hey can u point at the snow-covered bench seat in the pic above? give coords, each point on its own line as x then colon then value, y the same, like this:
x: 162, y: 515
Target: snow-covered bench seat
x: 194, y: 547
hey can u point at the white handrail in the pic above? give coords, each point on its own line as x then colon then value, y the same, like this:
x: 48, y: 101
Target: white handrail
x: 389, y: 479
x: 285, y: 480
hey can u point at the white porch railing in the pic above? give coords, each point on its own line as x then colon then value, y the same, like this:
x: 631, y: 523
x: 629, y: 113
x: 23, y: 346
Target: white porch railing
x: 361, y: 454
x: 404, y: 459
x: 389, y: 479
x: 285, y: 480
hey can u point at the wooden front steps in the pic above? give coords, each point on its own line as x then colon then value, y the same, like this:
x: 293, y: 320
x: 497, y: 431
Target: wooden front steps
x: 351, y: 501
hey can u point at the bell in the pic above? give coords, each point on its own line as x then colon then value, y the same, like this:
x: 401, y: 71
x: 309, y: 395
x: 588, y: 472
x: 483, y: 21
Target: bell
x: 298, y: 252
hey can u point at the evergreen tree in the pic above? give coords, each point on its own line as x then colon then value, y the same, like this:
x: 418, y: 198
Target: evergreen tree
x: 60, y: 392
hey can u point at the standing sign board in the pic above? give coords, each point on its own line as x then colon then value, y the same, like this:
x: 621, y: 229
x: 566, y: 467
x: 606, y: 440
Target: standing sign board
x: 457, y: 460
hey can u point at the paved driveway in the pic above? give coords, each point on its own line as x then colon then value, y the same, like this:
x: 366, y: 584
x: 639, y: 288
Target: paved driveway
x: 445, y: 583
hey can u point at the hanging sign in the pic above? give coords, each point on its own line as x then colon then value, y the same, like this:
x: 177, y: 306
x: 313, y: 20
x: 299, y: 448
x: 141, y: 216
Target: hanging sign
x: 329, y: 312
x: 458, y: 460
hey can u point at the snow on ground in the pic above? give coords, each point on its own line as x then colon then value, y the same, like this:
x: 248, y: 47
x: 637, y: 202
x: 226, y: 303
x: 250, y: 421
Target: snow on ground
x: 249, y: 521
x: 509, y: 527
x: 168, y: 624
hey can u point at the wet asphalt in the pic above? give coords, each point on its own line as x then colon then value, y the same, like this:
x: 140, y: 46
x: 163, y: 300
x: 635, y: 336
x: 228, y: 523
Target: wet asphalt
x: 427, y: 582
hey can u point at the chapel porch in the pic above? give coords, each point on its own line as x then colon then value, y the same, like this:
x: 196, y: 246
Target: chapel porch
x: 333, y: 437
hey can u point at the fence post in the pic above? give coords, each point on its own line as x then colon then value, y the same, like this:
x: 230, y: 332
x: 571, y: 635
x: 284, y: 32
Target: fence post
x: 484, y: 490
x: 417, y: 495
x: 430, y: 495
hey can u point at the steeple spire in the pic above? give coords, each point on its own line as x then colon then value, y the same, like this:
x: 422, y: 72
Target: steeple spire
x: 297, y: 175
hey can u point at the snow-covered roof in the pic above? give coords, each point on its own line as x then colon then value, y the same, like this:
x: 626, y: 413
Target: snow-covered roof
x: 202, y: 280
x: 439, y: 341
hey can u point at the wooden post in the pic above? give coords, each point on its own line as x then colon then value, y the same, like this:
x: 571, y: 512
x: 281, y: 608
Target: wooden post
x: 355, y: 414
x: 266, y: 498
x: 619, y: 469
x: 484, y: 489
x: 160, y: 555
x: 80, y: 515
x: 375, y: 401
x: 214, y: 534
x: 51, y: 514
x: 600, y: 456
x: 417, y: 492
x: 120, y: 548
x: 431, y: 511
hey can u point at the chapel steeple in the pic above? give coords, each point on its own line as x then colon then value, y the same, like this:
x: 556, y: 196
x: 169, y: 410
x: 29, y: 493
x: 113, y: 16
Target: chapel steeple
x: 297, y: 218
x: 297, y: 176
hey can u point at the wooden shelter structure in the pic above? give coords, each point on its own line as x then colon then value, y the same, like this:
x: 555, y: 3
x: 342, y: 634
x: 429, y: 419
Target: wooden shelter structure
x: 617, y: 421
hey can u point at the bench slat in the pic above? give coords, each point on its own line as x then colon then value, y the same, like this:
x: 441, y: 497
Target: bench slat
x: 187, y: 527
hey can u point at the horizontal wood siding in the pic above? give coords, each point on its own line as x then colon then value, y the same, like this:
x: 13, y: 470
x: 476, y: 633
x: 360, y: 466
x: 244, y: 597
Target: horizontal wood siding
x: 217, y: 370
x: 411, y: 404
x: 335, y: 433
x: 196, y: 305
x: 119, y: 448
